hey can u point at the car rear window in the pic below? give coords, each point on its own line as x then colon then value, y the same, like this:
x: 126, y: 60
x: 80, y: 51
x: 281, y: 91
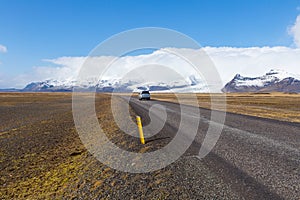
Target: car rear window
x: 145, y: 92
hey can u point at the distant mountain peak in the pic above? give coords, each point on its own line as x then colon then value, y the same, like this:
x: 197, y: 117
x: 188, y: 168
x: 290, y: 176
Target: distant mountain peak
x: 238, y: 76
x: 275, y: 80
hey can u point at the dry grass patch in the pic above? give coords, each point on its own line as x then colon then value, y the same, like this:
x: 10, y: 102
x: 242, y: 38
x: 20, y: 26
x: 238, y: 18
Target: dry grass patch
x: 279, y: 106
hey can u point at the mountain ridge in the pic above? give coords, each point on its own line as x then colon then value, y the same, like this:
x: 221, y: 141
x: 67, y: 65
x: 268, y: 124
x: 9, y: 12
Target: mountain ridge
x: 191, y: 84
x: 272, y: 81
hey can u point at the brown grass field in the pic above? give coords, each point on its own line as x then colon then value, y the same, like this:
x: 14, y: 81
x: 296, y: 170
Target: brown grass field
x: 42, y: 157
x: 279, y: 106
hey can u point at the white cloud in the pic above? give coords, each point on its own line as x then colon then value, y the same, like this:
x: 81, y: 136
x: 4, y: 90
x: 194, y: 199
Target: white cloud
x: 3, y: 49
x: 295, y: 31
x: 254, y: 61
x: 63, y: 68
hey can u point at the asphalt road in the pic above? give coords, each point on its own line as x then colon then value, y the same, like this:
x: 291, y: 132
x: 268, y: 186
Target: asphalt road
x: 258, y: 158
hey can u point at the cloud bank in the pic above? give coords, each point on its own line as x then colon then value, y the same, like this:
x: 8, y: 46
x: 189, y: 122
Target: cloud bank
x: 229, y: 61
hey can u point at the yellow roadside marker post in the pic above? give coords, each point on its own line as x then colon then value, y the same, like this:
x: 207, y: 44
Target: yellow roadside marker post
x: 140, y: 127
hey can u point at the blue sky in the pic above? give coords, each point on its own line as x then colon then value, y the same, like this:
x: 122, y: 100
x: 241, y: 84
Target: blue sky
x: 34, y: 30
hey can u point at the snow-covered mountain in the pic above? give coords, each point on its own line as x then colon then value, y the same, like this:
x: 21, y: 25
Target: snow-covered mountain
x: 273, y: 81
x: 191, y: 84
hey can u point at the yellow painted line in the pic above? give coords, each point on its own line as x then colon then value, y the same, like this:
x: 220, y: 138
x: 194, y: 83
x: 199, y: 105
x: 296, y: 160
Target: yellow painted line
x: 140, y: 127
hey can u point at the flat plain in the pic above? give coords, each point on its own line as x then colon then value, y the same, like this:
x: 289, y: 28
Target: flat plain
x: 280, y: 106
x: 42, y: 156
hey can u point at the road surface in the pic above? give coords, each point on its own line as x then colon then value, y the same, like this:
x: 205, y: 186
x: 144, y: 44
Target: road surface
x: 258, y: 158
